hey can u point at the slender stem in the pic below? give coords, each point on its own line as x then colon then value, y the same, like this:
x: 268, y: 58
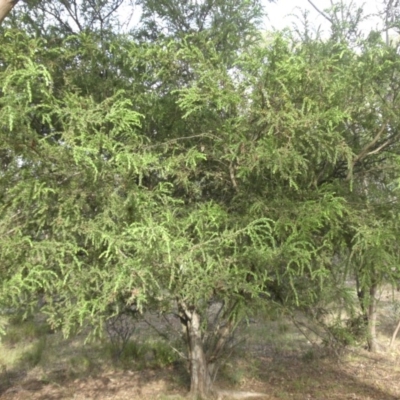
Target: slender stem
x: 320, y: 11
x: 396, y: 331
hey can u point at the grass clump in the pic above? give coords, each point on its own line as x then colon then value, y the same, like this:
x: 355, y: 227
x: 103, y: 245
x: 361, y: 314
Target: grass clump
x: 19, y: 329
x: 33, y: 356
x: 147, y: 354
x: 240, y: 370
x: 79, y: 365
x: 164, y: 355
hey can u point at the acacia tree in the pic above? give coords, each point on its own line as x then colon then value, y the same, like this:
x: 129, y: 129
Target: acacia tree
x: 71, y: 16
x: 190, y: 168
x: 375, y: 136
x: 105, y: 202
x: 366, y: 176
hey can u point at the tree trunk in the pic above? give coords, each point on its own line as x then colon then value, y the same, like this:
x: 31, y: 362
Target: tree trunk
x: 372, y: 345
x: 200, y: 377
x: 218, y: 347
x: 367, y: 301
x: 362, y: 300
x: 5, y: 7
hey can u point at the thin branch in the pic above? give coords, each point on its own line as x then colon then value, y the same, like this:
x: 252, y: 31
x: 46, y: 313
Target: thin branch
x: 9, y: 232
x: 299, y: 325
x: 16, y: 216
x: 232, y: 176
x: 396, y: 331
x: 115, y: 8
x: 177, y: 333
x: 365, y: 151
x: 58, y: 19
x: 380, y: 147
x: 200, y: 135
x: 389, y: 6
x: 367, y: 147
x: 69, y: 177
x: 73, y: 13
x: 204, y: 14
x: 320, y: 12
x: 165, y: 336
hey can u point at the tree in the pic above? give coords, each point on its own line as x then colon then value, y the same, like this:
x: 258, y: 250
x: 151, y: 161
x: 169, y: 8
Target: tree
x: 368, y: 65
x: 194, y: 166
x: 71, y: 16
x: 115, y: 206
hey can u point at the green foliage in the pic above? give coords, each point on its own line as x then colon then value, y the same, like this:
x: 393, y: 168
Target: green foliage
x: 164, y: 355
x: 194, y: 165
x: 341, y: 334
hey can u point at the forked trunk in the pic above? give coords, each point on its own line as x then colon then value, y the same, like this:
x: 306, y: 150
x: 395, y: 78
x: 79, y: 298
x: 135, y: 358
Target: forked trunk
x: 5, y: 7
x: 200, y: 377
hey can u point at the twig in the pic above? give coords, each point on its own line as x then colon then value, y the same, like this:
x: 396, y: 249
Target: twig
x: 69, y: 177
x: 171, y: 326
x: 232, y: 175
x: 320, y: 12
x: 298, y: 326
x: 200, y: 135
x: 396, y: 331
x: 165, y: 337
x: 365, y: 151
x: 380, y: 147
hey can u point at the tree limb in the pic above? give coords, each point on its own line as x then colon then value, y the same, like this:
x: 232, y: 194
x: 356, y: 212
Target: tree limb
x: 5, y: 7
x: 366, y: 149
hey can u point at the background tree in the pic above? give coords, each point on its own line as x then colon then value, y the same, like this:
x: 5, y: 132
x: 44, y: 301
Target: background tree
x: 371, y: 134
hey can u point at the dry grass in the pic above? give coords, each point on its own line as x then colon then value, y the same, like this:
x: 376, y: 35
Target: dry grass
x: 275, y: 359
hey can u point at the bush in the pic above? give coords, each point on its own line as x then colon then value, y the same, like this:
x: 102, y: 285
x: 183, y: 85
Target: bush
x: 154, y: 354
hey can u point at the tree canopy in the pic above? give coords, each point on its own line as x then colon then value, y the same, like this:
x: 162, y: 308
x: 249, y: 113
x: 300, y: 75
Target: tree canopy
x: 192, y: 161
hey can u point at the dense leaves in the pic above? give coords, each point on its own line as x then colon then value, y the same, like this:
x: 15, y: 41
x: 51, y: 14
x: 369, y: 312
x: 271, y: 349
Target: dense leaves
x: 193, y: 161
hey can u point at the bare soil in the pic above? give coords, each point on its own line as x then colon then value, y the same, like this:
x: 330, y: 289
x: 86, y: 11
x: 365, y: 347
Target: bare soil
x: 359, y: 375
x: 275, y: 360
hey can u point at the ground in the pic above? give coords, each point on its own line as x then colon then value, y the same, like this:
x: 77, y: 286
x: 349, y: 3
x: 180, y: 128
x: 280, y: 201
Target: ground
x: 275, y: 359
x: 359, y: 376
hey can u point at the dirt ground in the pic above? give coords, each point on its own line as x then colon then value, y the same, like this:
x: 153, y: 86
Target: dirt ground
x: 275, y: 360
x: 358, y: 376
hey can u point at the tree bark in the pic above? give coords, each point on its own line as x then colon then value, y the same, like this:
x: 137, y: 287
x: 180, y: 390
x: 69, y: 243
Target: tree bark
x: 5, y: 7
x: 372, y: 345
x: 361, y: 299
x: 200, y: 377
x: 367, y: 299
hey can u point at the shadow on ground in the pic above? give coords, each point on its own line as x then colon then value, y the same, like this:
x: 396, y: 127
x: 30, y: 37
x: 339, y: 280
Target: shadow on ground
x: 355, y: 377
x: 281, y: 376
